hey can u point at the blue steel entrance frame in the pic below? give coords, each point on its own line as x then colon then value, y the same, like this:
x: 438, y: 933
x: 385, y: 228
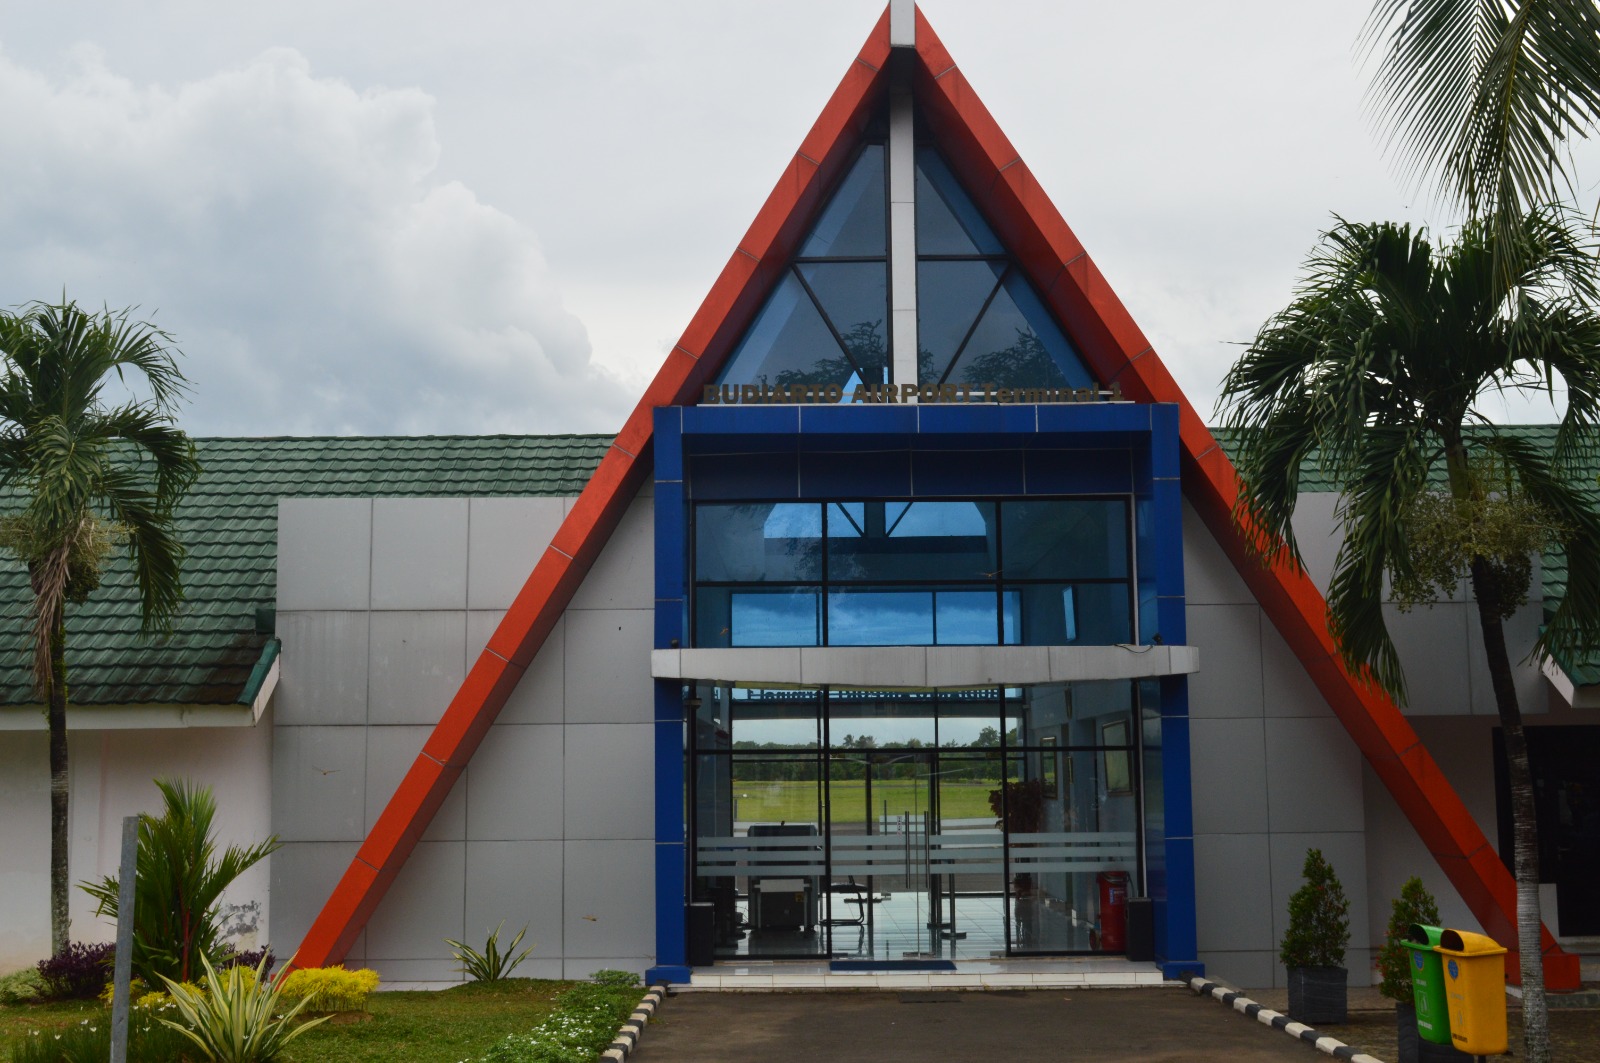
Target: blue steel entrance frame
x: 810, y: 452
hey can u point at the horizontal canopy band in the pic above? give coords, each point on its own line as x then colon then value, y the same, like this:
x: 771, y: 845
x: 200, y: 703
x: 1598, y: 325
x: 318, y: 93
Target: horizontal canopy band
x: 922, y: 667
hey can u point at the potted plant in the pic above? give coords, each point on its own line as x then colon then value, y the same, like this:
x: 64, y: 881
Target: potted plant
x: 1020, y: 806
x: 1414, y: 905
x: 1313, y: 945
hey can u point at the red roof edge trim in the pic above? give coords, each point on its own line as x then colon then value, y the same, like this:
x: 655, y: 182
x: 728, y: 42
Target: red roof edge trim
x: 1116, y: 349
x: 733, y: 300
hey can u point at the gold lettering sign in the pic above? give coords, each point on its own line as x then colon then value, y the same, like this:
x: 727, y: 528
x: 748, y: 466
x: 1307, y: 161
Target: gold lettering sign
x: 881, y: 394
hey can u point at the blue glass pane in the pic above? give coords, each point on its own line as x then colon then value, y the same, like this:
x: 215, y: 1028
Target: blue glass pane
x: 950, y: 295
x: 855, y: 298
x: 911, y: 540
x: 871, y: 617
x: 853, y: 221
x: 1082, y: 614
x: 1017, y: 344
x: 779, y: 616
x: 965, y: 618
x: 754, y: 542
x: 948, y: 222
x: 789, y: 344
x: 1078, y: 539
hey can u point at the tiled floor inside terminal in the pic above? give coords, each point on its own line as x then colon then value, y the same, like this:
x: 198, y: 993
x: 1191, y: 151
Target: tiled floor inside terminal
x: 1042, y: 973
x: 895, y: 925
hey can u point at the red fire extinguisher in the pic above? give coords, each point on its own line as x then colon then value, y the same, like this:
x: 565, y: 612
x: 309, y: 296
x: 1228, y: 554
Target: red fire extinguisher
x: 1113, y: 911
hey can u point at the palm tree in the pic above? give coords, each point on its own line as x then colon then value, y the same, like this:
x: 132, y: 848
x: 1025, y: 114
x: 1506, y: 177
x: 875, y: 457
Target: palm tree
x: 1484, y: 96
x: 88, y: 477
x: 1373, y: 375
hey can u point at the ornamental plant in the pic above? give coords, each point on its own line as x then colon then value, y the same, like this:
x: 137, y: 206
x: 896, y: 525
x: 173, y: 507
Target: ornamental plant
x: 1414, y: 905
x: 1319, y: 918
x: 327, y: 989
x: 77, y: 972
x: 491, y: 964
x: 234, y: 1021
x: 179, y: 882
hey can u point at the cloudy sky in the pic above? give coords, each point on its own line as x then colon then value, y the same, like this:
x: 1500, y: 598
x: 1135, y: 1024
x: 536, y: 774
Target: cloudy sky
x: 409, y: 217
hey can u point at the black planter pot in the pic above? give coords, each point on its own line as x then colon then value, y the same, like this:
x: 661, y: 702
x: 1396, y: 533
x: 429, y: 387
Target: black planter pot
x: 1317, y: 995
x: 1405, y: 1017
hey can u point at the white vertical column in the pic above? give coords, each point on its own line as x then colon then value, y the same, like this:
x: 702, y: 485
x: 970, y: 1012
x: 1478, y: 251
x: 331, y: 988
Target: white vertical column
x: 902, y: 197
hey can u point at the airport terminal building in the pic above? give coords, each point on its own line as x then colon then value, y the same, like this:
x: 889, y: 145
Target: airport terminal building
x: 904, y: 618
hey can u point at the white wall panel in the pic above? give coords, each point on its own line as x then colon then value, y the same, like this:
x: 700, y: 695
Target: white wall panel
x: 506, y: 537
x: 419, y: 553
x: 324, y: 553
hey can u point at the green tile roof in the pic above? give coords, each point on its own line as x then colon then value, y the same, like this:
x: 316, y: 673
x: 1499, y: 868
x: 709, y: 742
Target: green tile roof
x: 1584, y: 671
x: 228, y: 522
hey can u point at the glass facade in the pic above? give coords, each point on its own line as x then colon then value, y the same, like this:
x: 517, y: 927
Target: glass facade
x: 826, y: 323
x: 884, y: 824
x: 979, y: 321
x: 1028, y: 572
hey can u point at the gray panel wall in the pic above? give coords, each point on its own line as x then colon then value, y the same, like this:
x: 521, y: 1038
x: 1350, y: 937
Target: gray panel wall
x: 1275, y: 773
x: 382, y: 606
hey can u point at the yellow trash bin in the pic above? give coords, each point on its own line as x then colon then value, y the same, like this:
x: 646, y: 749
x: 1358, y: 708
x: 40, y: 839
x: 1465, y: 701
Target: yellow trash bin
x: 1474, y: 991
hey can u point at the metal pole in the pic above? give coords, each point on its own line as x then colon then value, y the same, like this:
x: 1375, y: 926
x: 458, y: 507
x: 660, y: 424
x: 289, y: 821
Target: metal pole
x: 123, y: 973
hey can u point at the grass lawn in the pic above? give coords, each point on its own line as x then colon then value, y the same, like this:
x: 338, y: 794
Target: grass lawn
x: 443, y: 1027
x: 796, y: 802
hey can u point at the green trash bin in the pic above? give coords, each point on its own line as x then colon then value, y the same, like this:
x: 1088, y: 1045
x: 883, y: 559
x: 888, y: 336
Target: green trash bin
x: 1427, y: 984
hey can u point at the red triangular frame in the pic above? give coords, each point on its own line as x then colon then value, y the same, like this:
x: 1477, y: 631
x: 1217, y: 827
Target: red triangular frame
x: 1114, y: 349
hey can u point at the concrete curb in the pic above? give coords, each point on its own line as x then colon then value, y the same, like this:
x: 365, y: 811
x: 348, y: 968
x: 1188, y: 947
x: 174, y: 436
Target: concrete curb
x: 1245, y: 1006
x: 628, y: 1035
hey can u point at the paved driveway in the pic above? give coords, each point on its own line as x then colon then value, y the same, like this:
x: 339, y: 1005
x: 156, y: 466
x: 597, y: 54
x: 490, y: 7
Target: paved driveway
x: 1147, y: 1025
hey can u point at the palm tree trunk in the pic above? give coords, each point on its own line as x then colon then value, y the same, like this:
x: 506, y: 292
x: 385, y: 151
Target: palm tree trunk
x: 60, y: 880
x: 1524, y: 818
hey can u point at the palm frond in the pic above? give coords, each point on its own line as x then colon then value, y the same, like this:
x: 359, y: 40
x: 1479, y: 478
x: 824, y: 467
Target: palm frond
x: 1482, y: 97
x: 1574, y: 628
x: 1370, y: 376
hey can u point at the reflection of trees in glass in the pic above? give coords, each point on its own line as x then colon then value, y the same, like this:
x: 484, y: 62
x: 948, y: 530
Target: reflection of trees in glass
x: 864, y: 351
x: 1025, y: 363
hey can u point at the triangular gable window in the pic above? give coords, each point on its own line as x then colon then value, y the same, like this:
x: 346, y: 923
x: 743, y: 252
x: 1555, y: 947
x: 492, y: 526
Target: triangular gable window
x: 979, y: 321
x: 826, y: 322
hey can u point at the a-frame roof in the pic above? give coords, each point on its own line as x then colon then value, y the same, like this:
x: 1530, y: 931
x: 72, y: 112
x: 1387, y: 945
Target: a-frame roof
x: 1115, y: 349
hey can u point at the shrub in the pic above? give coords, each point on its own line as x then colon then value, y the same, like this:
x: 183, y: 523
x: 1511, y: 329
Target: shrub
x: 1319, y: 918
x: 1414, y: 905
x: 251, y: 958
x: 79, y: 973
x: 491, y: 964
x: 180, y: 877
x: 21, y: 987
x: 234, y: 1022
x: 329, y: 988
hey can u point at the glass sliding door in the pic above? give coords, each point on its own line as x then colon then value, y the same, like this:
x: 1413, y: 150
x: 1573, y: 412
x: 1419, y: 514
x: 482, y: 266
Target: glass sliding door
x: 881, y: 823
x: 758, y: 818
x: 891, y: 824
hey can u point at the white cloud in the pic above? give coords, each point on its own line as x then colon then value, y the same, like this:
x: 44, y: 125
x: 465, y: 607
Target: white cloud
x: 289, y: 231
